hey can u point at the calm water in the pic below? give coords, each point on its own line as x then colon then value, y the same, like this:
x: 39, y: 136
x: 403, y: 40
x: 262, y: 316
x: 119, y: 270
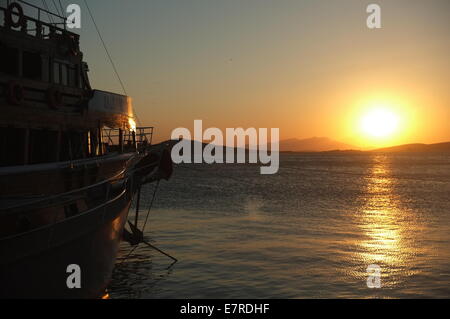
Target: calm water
x: 309, y: 232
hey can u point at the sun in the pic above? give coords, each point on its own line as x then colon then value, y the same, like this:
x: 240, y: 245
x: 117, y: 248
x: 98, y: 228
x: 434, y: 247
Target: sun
x: 379, y: 123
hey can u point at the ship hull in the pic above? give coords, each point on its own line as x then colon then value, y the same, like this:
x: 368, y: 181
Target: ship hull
x: 71, y: 159
x: 90, y: 241
x: 64, y: 246
x: 35, y: 263
x: 40, y: 270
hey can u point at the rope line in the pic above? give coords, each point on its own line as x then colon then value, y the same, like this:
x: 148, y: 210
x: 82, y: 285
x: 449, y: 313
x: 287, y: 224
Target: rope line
x: 56, y: 7
x: 106, y: 48
x: 151, y: 205
x: 50, y: 19
x: 110, y: 57
x: 63, y: 12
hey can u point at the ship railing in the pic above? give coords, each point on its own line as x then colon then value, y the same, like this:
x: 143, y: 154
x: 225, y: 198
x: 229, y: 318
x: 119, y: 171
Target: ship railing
x: 122, y: 178
x: 39, y: 28
x: 144, y: 137
x: 107, y: 188
x: 60, y: 199
x: 138, y: 140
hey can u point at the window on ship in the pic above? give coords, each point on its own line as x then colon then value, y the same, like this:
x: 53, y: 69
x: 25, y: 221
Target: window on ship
x: 9, y: 60
x: 12, y: 146
x: 43, y: 146
x: 20, y: 146
x: 65, y: 74
x: 32, y: 65
x: 56, y: 73
x: 74, y: 146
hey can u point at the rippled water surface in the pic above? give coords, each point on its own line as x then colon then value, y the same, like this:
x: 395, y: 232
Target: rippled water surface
x: 309, y: 232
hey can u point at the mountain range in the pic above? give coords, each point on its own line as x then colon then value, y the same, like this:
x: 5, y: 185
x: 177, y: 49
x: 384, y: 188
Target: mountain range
x: 323, y: 144
x: 314, y: 144
x: 417, y: 148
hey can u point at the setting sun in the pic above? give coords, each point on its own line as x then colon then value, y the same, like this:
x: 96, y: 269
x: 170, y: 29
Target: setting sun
x: 380, y: 123
x: 383, y: 119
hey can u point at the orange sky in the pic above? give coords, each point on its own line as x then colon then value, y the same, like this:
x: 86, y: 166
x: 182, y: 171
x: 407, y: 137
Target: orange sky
x: 310, y: 68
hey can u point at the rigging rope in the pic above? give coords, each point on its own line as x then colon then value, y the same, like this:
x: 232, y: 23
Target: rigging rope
x: 56, y: 7
x: 109, y: 56
x: 63, y: 12
x: 50, y: 19
x: 106, y: 48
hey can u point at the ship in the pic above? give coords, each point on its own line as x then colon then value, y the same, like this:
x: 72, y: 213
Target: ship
x: 71, y: 162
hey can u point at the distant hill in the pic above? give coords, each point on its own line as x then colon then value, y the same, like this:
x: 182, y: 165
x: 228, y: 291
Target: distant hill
x: 417, y: 148
x: 315, y: 144
x: 323, y: 144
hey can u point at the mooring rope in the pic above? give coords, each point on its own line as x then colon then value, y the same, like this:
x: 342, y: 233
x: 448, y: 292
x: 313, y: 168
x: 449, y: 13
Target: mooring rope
x: 142, y: 239
x: 150, y: 206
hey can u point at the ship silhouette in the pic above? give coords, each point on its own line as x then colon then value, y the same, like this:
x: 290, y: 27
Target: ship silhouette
x: 71, y: 160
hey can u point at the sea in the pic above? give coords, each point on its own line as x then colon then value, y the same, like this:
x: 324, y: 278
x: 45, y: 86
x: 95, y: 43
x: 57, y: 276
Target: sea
x: 328, y: 225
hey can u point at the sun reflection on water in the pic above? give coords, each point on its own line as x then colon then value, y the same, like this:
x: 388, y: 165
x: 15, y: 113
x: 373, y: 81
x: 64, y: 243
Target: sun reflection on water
x: 386, y: 226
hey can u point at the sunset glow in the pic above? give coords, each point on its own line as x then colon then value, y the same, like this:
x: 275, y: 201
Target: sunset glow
x: 200, y: 152
x: 380, y: 123
x: 237, y: 71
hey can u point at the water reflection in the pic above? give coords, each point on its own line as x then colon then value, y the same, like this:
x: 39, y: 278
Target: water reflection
x: 135, y: 274
x: 388, y: 227
x: 307, y: 233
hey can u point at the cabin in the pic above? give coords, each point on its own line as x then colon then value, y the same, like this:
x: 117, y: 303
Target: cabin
x: 49, y: 111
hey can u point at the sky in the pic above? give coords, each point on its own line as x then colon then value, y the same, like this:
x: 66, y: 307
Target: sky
x: 310, y: 68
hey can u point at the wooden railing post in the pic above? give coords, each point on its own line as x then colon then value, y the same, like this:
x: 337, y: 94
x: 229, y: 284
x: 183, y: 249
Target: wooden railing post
x: 58, y: 145
x: 26, y: 147
x: 100, y: 140
x: 121, y: 140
